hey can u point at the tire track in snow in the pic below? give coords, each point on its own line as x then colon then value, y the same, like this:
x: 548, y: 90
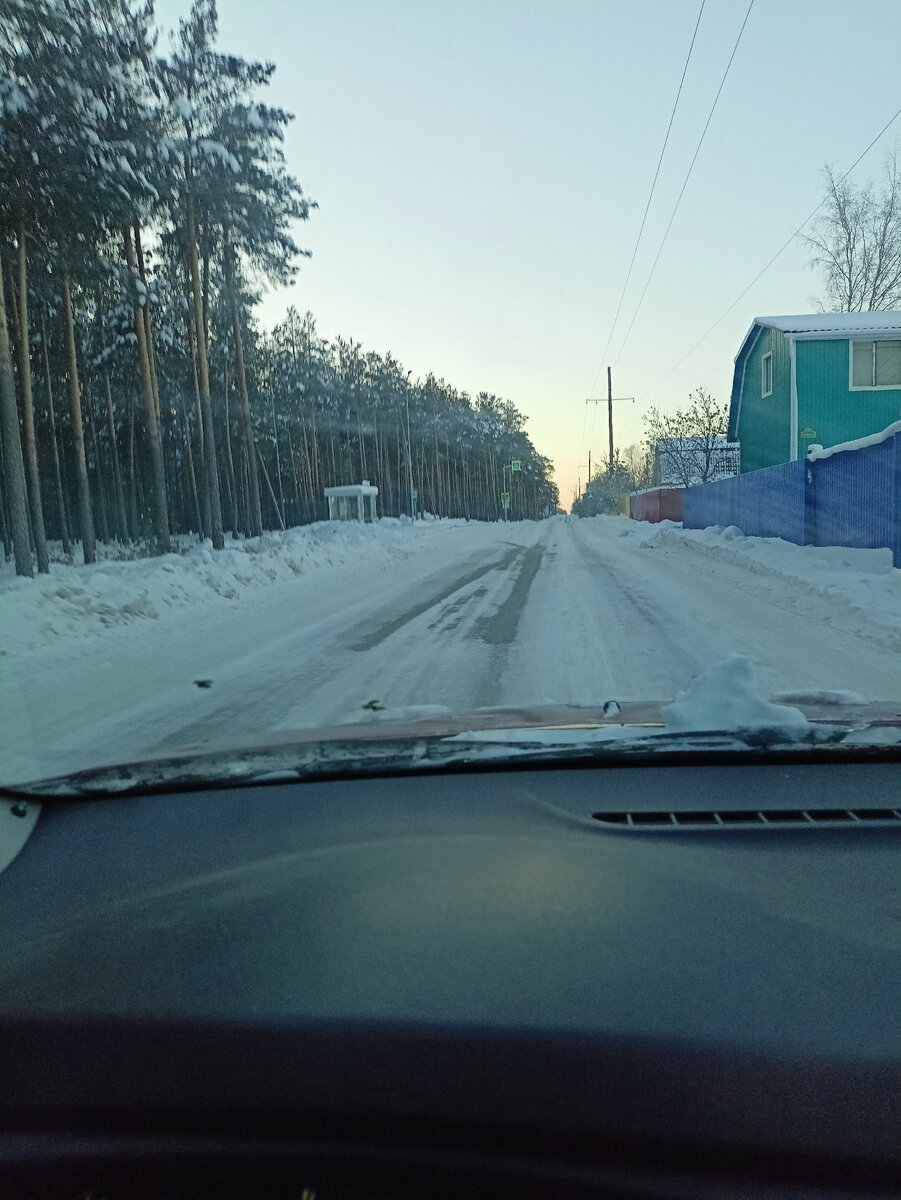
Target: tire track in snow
x: 500, y: 628
x: 380, y: 633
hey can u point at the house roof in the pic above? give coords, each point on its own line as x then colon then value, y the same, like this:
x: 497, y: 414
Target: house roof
x: 808, y: 326
x: 829, y: 324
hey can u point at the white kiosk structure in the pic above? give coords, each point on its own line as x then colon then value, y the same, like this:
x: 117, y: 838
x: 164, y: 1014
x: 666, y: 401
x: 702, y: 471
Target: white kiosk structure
x: 352, y: 502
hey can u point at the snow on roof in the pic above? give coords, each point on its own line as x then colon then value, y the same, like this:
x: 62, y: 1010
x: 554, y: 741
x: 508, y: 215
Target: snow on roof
x: 843, y: 323
x: 720, y: 441
x: 352, y: 489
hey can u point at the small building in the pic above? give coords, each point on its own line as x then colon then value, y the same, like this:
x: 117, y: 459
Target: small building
x: 819, y: 378
x: 352, y: 502
x: 686, y: 461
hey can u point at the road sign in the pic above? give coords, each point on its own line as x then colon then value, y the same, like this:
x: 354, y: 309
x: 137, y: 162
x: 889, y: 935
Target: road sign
x: 414, y: 494
x: 590, y: 495
x: 516, y: 464
x: 505, y: 498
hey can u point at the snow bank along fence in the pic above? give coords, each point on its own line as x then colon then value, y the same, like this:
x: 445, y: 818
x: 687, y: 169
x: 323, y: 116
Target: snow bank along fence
x: 848, y: 495
x: 656, y: 504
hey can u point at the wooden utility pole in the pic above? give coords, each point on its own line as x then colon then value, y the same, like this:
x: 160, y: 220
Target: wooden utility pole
x: 610, y: 417
x: 610, y: 402
x: 588, y: 484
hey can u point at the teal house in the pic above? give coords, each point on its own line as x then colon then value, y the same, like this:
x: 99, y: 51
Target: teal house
x: 823, y: 378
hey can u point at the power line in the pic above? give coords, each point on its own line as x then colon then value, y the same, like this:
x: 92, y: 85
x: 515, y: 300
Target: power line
x: 650, y: 196
x: 685, y: 182
x: 785, y: 245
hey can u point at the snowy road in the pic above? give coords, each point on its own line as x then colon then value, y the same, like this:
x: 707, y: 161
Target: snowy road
x: 462, y: 616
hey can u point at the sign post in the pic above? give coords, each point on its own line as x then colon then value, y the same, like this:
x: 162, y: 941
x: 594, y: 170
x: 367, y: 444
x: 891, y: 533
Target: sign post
x: 515, y: 464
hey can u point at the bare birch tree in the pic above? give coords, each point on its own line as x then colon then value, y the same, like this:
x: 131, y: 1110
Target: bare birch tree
x: 856, y: 243
x: 689, y: 444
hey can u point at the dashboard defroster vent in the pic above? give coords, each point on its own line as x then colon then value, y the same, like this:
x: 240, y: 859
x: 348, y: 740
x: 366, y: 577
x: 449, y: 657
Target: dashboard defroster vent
x: 752, y: 818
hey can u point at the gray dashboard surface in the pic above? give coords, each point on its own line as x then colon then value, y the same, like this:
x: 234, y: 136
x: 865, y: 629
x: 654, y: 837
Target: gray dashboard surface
x: 467, y: 948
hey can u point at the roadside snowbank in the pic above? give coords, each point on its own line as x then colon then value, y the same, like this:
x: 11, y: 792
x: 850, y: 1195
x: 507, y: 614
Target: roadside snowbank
x: 863, y: 582
x: 75, y: 602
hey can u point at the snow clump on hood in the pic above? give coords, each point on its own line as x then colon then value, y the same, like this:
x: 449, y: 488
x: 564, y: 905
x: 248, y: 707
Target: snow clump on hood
x: 727, y: 696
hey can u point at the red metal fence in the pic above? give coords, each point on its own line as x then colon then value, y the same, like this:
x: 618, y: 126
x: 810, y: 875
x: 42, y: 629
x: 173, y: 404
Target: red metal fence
x: 658, y: 504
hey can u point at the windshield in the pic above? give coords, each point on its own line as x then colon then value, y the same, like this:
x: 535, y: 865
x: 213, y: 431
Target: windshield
x: 371, y: 363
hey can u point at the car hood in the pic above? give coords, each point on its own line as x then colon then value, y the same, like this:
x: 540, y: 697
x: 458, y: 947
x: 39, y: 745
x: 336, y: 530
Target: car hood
x: 430, y: 737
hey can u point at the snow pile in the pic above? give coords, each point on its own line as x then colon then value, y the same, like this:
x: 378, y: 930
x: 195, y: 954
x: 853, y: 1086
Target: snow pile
x: 727, y: 697
x: 78, y: 602
x: 863, y: 584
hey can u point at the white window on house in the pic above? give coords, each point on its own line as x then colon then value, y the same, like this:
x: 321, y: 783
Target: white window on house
x: 876, y: 364
x: 766, y: 375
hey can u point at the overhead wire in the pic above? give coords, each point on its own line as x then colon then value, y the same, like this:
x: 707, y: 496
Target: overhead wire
x: 685, y: 182
x: 741, y: 295
x: 650, y: 196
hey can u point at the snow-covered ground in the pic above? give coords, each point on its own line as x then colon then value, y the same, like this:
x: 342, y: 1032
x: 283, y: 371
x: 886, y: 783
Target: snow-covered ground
x: 317, y: 625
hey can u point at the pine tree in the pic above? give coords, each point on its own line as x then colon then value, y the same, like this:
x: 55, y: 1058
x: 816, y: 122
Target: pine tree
x: 13, y: 465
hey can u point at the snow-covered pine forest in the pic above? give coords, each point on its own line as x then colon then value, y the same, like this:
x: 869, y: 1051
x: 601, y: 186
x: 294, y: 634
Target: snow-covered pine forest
x: 145, y: 207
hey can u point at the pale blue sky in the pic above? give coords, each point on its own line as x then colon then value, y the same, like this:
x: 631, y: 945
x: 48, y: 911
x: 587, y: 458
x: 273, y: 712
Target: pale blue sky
x: 482, y: 168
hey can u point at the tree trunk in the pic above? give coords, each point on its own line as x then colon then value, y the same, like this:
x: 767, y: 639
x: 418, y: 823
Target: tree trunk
x: 121, y: 519
x: 86, y: 517
x: 148, y: 325
x: 211, y: 473
x: 316, y: 473
x: 308, y: 470
x: 255, y: 514
x: 281, y: 519
x: 160, y: 507
x: 132, y: 482
x: 102, y: 517
x: 4, y: 528
x: 278, y: 460
x: 203, y: 491
x: 30, y: 447
x: 192, y: 478
x: 244, y: 490
x: 13, y: 464
x: 230, y: 464
x: 57, y: 473
x: 206, y: 281
x: 294, y: 476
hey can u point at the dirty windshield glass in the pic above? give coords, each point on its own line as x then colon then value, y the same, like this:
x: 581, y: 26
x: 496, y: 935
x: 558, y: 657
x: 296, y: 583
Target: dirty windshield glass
x: 382, y: 365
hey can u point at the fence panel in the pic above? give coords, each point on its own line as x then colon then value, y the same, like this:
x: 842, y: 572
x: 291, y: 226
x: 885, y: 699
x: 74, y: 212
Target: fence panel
x: 765, y: 503
x: 658, y: 504
x: 850, y: 497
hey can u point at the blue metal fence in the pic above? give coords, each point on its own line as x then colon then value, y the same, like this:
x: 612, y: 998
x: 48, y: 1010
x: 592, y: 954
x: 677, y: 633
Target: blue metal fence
x: 851, y: 498
x: 767, y: 503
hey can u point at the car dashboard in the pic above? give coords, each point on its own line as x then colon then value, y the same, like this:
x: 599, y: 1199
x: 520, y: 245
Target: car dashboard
x: 639, y: 981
